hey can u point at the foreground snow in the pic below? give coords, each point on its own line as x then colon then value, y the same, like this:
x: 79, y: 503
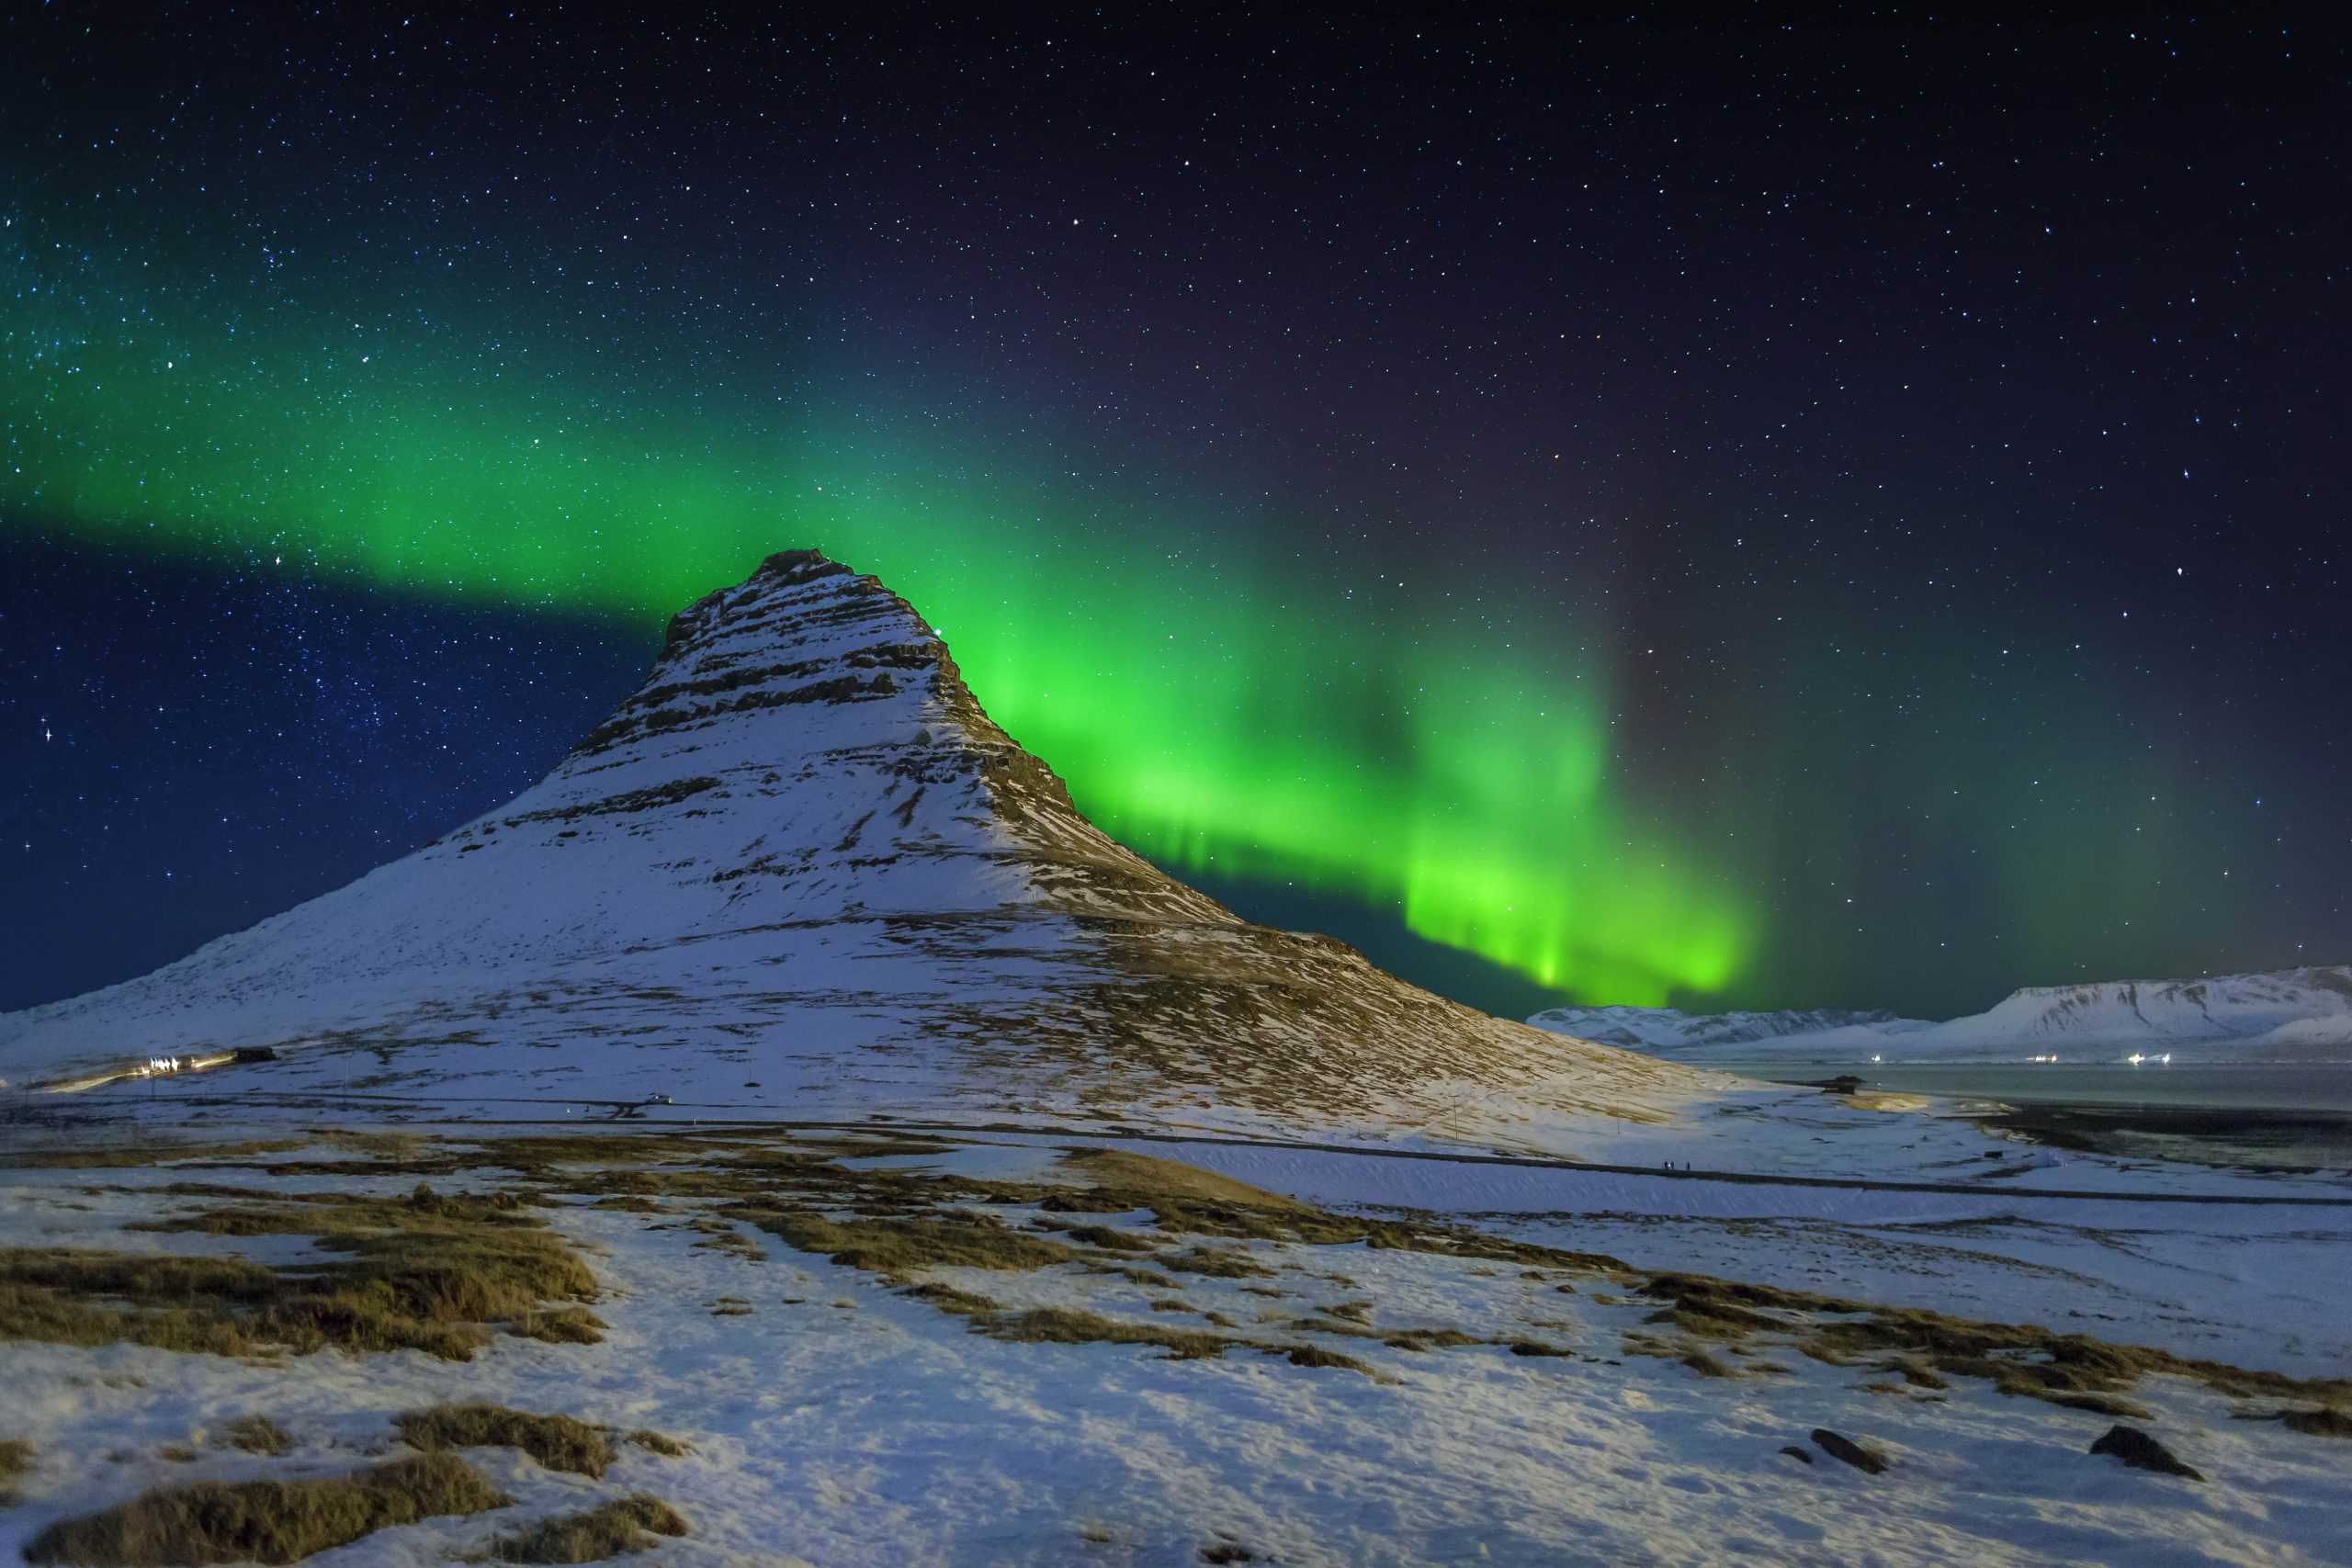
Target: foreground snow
x: 835, y: 1420
x: 2251, y: 1284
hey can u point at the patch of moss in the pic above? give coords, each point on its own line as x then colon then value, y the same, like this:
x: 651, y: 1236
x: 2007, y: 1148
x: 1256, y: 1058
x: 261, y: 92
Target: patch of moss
x: 1150, y: 1279
x: 895, y: 1248
x: 560, y: 1325
x: 559, y: 1442
x: 660, y: 1443
x: 1107, y: 1239
x: 264, y: 1521
x: 1316, y: 1356
x: 61, y: 1295
x: 1706, y: 1366
x: 256, y: 1435
x: 1072, y: 1325
x: 320, y: 1214
x: 1713, y: 1319
x: 608, y: 1529
x: 15, y: 1464
x: 1214, y: 1262
x: 444, y: 1260
x: 948, y: 1298
x: 422, y: 1272
x: 1329, y: 1326
x: 1069, y: 1325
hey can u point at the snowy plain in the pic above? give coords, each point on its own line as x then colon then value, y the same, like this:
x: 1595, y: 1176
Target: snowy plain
x: 834, y: 1420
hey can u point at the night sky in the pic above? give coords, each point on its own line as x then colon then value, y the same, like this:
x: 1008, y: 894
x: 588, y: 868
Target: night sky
x: 1851, y: 513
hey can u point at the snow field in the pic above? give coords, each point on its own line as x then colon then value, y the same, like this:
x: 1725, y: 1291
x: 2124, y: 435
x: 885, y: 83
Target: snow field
x: 884, y: 1431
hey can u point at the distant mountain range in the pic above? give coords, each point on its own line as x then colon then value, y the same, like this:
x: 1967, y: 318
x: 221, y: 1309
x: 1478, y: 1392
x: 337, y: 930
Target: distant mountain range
x: 2281, y: 1015
x: 800, y: 871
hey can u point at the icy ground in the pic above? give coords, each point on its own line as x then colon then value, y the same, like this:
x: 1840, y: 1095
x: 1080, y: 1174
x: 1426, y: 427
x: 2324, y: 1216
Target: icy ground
x: 834, y: 1417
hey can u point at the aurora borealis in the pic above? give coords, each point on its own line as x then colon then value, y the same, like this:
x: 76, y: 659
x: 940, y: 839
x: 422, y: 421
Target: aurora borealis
x: 1519, y: 517
x: 1216, y: 715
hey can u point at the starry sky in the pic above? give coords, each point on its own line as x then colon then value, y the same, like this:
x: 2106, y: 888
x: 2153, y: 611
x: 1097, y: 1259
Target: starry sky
x: 1847, y: 509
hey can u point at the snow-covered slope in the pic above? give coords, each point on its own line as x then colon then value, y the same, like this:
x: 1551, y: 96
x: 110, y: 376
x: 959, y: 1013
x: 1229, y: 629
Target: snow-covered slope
x: 801, y: 869
x: 1670, y: 1029
x: 2285, y: 1007
x: 2283, y: 1015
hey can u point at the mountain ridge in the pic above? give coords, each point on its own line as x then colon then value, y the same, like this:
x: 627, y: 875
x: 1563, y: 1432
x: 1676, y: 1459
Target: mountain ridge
x: 2283, y: 1014
x: 1638, y: 1028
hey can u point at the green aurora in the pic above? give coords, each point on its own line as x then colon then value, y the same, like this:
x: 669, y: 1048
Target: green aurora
x: 1211, y: 708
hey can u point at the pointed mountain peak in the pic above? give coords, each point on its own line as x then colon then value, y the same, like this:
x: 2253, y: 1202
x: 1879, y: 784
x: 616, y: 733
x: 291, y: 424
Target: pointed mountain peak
x: 800, y: 631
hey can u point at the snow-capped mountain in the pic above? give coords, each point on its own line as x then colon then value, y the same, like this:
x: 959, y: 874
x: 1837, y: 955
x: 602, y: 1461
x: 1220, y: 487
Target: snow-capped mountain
x: 2282, y: 1015
x: 2281, y: 1009
x: 800, y: 868
x: 1670, y: 1029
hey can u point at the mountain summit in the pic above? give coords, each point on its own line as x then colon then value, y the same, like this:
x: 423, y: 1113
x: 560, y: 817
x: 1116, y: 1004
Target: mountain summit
x: 800, y: 871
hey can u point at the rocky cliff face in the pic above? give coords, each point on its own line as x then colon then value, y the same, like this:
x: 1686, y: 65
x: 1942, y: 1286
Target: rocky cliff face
x: 800, y: 871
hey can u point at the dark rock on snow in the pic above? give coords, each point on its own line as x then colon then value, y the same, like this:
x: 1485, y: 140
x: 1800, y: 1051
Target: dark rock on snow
x: 2320, y: 1423
x: 1852, y: 1452
x: 2142, y: 1451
